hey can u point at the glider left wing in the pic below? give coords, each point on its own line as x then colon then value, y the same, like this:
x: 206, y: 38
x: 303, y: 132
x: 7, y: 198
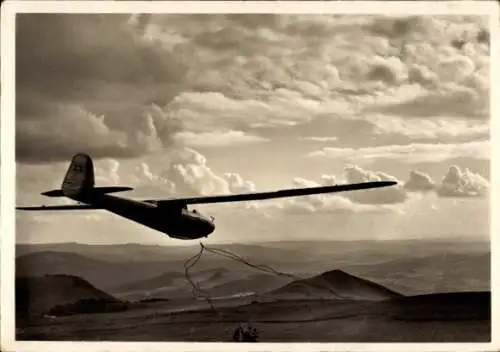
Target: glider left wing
x: 59, y: 207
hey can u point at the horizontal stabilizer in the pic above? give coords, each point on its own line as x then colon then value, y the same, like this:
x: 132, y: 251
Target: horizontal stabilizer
x: 59, y: 207
x: 53, y: 193
x: 112, y: 189
x: 101, y: 190
x: 294, y: 192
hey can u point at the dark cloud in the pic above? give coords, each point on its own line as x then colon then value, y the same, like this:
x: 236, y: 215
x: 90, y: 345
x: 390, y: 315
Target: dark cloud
x: 73, y: 69
x: 397, y: 27
x: 128, y: 93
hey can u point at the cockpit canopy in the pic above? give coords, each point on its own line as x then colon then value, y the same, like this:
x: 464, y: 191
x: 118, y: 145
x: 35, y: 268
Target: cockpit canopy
x: 167, y: 204
x: 194, y: 211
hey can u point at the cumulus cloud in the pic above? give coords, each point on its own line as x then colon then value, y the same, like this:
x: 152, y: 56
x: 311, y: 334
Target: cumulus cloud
x: 237, y: 184
x: 373, y: 201
x: 456, y: 183
x: 463, y: 183
x: 90, y: 83
x: 420, y: 181
x: 187, y: 173
x: 107, y: 172
x: 151, y: 184
x: 324, y: 203
x: 410, y: 153
x: 182, y: 172
x: 386, y: 195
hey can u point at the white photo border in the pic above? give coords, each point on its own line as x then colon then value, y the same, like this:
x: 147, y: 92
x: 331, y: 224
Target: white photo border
x: 8, y: 164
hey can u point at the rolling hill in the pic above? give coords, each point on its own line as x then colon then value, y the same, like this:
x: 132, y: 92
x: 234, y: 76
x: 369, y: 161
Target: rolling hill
x: 334, y: 284
x: 218, y: 282
x: 408, y: 267
x: 361, y: 300
x: 100, y: 273
x: 39, y: 295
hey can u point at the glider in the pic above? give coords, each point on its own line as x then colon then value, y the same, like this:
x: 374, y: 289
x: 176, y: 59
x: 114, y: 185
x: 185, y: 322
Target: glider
x: 168, y: 216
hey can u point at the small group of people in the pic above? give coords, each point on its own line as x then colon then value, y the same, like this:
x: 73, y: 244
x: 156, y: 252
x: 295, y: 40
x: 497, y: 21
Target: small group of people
x: 245, y: 333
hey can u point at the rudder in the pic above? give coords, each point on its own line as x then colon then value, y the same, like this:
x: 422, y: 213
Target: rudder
x: 79, y: 179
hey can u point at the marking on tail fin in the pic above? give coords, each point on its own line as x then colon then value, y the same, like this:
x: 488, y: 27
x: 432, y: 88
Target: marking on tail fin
x: 79, y: 178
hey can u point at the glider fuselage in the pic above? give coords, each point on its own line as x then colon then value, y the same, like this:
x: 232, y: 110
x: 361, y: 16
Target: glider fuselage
x: 177, y: 222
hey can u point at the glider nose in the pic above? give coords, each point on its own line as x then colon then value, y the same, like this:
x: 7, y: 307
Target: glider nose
x: 205, y: 226
x: 209, y: 227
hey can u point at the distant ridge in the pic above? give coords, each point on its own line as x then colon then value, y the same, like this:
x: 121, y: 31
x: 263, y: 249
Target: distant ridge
x: 335, y: 284
x: 38, y: 295
x: 101, y: 273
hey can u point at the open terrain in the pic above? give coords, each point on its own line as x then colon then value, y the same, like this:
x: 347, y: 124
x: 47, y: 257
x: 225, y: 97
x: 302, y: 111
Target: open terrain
x: 406, y: 291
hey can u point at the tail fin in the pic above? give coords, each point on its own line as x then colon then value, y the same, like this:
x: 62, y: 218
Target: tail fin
x: 79, y: 178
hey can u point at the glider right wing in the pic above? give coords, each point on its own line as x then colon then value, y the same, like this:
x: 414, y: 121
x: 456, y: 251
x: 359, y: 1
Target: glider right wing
x: 293, y: 192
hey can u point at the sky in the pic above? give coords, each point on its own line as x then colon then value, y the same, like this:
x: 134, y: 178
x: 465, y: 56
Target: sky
x: 186, y: 105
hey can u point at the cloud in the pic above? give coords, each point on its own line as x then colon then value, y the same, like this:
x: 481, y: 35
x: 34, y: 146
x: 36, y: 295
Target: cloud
x: 237, y: 184
x: 410, y: 153
x: 135, y: 82
x: 355, y: 64
x: 324, y: 203
x: 450, y: 100
x: 442, y: 128
x: 463, y: 183
x: 320, y: 139
x: 37, y: 139
x: 90, y: 83
x: 187, y: 173
x: 107, y: 172
x: 151, y: 184
x: 389, y: 70
x: 202, y: 111
x: 456, y: 183
x: 386, y: 195
x: 372, y: 201
x: 217, y: 139
x: 420, y: 181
